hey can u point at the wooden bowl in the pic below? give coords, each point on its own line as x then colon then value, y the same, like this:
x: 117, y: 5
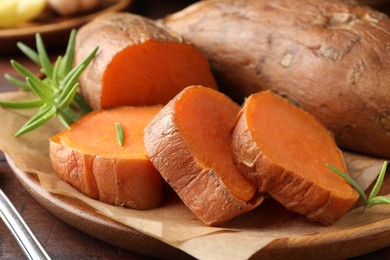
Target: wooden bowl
x: 332, y: 244
x: 55, y: 31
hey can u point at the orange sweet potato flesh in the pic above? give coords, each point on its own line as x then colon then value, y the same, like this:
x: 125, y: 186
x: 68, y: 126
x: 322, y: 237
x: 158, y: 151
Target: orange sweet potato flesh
x: 158, y: 70
x: 284, y: 150
x: 139, y: 62
x: 90, y: 158
x: 189, y: 143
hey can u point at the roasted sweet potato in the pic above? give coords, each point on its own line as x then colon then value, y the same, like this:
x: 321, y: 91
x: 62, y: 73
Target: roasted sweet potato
x: 90, y: 158
x: 285, y: 152
x: 139, y: 62
x: 330, y: 58
x: 189, y: 143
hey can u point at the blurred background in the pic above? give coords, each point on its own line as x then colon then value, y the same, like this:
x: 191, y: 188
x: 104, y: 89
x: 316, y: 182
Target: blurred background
x: 53, y: 19
x: 21, y: 19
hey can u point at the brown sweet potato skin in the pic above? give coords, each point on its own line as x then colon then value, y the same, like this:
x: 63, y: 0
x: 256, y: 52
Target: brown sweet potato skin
x: 330, y: 58
x: 200, y: 187
x: 108, y: 179
x: 74, y: 167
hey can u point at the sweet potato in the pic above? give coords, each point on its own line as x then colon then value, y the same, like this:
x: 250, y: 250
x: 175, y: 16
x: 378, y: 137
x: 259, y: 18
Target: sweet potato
x: 330, y: 58
x: 138, y: 63
x: 189, y: 143
x: 90, y: 158
x: 284, y: 151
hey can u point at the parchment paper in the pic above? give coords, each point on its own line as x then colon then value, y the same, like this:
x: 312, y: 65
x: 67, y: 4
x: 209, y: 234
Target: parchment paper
x: 173, y: 223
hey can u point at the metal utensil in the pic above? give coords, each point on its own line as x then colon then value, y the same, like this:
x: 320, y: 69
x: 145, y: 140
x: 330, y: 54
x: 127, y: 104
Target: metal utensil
x: 27, y: 241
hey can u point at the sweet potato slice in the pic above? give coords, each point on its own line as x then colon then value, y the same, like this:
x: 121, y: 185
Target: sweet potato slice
x: 90, y: 158
x: 284, y: 150
x: 189, y: 143
x: 138, y: 63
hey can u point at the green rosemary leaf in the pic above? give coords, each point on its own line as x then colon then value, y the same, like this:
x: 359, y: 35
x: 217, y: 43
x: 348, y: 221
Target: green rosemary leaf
x: 70, y: 115
x: 23, y: 71
x: 71, y: 80
x: 66, y: 99
x: 69, y: 84
x: 81, y: 104
x: 67, y: 118
x: 119, y: 133
x: 57, y: 92
x: 63, y: 120
x: 16, y: 82
x: 373, y: 198
x: 30, y: 53
x: 89, y: 58
x: 40, y: 119
x: 67, y: 62
x: 83, y: 64
x: 28, y: 74
x: 379, y: 200
x: 25, y: 104
x: 56, y: 67
x: 42, y: 110
x: 40, y: 92
x: 43, y: 57
x: 378, y: 183
x: 351, y: 181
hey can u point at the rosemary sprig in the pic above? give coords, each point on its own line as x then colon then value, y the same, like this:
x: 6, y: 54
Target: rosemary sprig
x: 56, y: 94
x: 372, y: 199
x: 119, y: 133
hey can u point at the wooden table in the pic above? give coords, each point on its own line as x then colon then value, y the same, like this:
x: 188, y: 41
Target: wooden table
x: 61, y: 240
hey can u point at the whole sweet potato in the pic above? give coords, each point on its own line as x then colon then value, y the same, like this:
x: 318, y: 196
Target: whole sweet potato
x: 330, y: 58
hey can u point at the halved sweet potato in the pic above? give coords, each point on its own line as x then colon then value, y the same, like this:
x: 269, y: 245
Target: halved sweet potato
x: 90, y: 158
x: 189, y: 143
x: 139, y: 62
x: 284, y: 151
